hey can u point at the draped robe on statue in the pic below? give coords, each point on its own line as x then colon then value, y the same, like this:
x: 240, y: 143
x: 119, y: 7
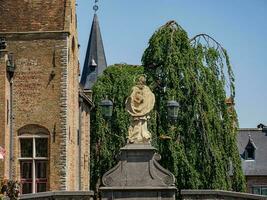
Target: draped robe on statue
x: 139, y: 104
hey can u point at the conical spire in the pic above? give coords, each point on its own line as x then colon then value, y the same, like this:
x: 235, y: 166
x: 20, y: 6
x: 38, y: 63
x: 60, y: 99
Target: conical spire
x: 95, y: 59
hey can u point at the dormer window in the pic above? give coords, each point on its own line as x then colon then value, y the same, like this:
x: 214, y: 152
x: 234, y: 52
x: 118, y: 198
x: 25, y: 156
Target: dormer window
x: 249, y: 153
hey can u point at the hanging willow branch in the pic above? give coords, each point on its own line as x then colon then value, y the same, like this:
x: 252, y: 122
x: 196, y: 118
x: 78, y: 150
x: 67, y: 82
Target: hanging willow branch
x: 209, y: 42
x: 194, y: 73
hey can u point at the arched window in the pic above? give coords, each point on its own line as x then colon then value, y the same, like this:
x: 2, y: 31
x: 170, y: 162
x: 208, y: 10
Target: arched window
x: 33, y: 157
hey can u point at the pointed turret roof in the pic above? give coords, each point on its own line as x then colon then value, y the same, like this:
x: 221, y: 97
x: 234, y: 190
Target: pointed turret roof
x: 95, y: 59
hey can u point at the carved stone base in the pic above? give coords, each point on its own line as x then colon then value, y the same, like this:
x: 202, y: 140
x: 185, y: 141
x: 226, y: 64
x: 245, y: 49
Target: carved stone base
x: 138, y: 175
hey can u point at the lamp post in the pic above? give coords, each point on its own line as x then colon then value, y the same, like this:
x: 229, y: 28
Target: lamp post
x: 106, y: 108
x: 172, y: 108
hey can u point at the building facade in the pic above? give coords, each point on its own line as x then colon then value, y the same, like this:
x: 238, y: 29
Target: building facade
x: 252, y: 146
x: 44, y: 113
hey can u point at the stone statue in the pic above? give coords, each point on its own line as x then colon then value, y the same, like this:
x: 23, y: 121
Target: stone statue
x: 139, y: 104
x: 138, y: 167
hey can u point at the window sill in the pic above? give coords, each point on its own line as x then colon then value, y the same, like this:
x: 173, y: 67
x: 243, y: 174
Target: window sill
x: 249, y: 160
x: 29, y: 158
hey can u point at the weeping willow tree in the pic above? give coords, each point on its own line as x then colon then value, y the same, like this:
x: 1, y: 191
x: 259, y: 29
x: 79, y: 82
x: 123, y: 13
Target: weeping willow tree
x: 199, y: 148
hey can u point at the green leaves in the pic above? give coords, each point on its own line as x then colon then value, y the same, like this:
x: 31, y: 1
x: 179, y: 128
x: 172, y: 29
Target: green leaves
x: 108, y: 136
x: 195, y: 75
x: 199, y: 147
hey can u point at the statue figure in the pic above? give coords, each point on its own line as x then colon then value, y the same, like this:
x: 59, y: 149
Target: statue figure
x: 139, y: 104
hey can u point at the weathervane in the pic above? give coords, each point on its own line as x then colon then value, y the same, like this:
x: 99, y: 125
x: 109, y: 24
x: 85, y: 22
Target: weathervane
x: 95, y: 8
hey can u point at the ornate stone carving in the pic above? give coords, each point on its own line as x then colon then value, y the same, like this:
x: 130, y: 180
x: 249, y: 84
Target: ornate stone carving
x: 139, y: 104
x: 138, y: 166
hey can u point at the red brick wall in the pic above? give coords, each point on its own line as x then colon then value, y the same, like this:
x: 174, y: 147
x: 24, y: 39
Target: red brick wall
x: 255, y: 181
x: 37, y: 96
x: 32, y: 15
x: 38, y: 99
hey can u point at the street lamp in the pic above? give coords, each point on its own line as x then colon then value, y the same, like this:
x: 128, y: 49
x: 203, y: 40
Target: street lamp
x: 106, y: 108
x: 172, y: 108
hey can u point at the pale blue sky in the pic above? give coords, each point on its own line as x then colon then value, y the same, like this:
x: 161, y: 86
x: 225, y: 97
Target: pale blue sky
x: 239, y: 25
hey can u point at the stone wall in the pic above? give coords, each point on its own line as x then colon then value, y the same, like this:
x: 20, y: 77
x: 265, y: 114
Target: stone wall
x: 82, y: 195
x: 255, y: 181
x: 218, y: 195
x: 186, y: 195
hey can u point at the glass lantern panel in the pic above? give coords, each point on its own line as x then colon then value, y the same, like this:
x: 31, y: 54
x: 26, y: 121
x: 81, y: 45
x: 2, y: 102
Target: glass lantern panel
x: 172, y: 112
x: 175, y: 110
x: 107, y: 111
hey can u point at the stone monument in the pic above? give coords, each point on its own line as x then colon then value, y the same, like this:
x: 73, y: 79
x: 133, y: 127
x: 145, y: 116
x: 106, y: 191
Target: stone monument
x: 139, y: 104
x: 138, y: 175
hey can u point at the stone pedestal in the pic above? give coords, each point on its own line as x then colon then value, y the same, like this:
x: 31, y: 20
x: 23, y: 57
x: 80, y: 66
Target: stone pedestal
x: 138, y: 175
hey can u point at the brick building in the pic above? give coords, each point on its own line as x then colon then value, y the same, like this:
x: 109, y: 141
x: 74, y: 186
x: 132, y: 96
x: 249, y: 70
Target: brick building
x: 44, y: 111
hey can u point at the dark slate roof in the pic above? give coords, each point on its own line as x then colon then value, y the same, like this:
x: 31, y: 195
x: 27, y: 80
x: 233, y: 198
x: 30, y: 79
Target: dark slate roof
x: 95, y: 59
x: 258, y: 137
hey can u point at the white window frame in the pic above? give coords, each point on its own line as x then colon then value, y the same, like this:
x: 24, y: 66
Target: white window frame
x: 34, y: 158
x: 260, y: 187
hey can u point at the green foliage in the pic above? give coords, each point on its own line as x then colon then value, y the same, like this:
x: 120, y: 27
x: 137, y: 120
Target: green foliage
x: 108, y: 136
x: 203, y: 139
x: 10, y: 189
x: 200, y: 147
